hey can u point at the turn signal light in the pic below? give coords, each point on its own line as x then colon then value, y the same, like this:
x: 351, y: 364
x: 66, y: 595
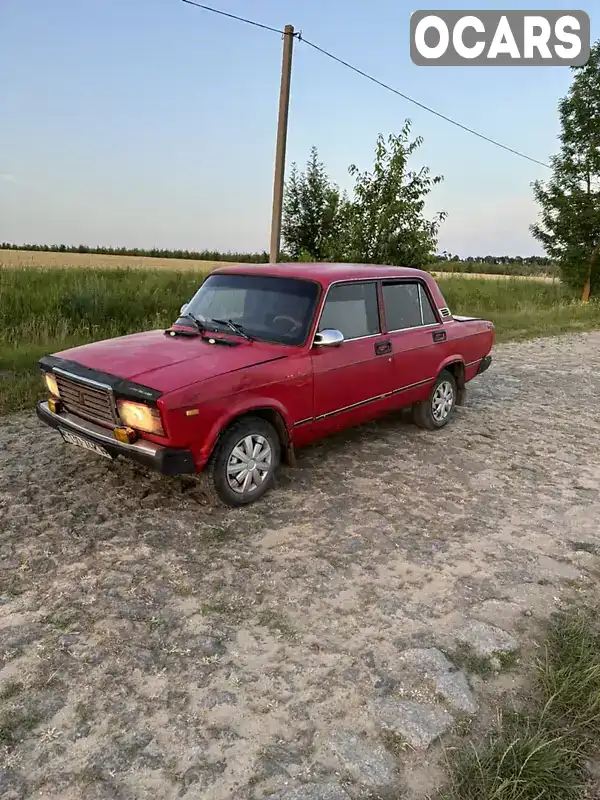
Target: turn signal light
x: 125, y: 435
x: 51, y: 384
x: 54, y: 405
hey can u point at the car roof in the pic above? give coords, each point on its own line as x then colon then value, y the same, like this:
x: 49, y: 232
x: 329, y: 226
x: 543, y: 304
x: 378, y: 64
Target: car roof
x: 324, y: 273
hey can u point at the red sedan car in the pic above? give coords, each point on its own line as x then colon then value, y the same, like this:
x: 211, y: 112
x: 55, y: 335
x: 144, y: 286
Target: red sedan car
x: 261, y: 361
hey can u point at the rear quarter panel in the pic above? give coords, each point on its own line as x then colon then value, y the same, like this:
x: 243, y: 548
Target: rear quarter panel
x: 468, y: 341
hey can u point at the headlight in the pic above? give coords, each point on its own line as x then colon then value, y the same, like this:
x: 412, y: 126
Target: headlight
x: 140, y: 417
x: 51, y: 384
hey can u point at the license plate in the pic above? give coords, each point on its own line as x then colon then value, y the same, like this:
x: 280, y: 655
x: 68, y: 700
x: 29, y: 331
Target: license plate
x: 79, y: 441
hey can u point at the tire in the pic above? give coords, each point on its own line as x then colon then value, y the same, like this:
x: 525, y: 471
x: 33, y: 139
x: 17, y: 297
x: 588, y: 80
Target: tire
x: 434, y: 413
x: 225, y: 466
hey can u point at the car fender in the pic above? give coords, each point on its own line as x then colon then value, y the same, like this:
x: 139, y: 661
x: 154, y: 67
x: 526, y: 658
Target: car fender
x: 245, y: 406
x: 453, y: 359
x: 460, y: 377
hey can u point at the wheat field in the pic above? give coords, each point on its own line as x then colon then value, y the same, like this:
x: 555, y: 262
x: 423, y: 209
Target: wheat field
x: 92, y: 261
x: 491, y: 276
x: 51, y: 260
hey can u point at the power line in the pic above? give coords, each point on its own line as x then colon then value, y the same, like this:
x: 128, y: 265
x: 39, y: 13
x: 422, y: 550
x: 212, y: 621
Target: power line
x: 423, y: 106
x: 371, y: 78
x: 234, y: 16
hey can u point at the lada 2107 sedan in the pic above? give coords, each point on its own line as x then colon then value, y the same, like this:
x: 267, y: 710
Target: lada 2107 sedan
x: 262, y: 361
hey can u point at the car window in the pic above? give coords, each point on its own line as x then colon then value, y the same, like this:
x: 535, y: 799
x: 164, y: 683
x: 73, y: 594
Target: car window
x: 406, y: 306
x: 267, y: 307
x: 228, y: 302
x: 429, y: 317
x: 352, y: 308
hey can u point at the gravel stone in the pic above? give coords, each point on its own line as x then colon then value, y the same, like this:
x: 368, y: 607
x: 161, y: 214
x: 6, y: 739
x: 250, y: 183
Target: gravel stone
x: 486, y: 640
x: 221, y: 699
x: 551, y: 568
x: 210, y: 646
x: 12, y: 785
x: 455, y: 689
x: 499, y: 613
x: 386, y: 684
x: 69, y: 639
x: 369, y: 764
x: 418, y: 723
x: 592, y: 767
x: 327, y: 791
x: 429, y: 661
x: 466, y: 519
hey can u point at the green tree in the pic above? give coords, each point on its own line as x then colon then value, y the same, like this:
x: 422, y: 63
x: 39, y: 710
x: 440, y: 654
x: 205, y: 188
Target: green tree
x: 384, y: 222
x: 569, y: 225
x: 310, y: 212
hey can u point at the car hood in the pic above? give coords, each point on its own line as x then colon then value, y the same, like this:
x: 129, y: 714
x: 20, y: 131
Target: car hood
x: 167, y: 363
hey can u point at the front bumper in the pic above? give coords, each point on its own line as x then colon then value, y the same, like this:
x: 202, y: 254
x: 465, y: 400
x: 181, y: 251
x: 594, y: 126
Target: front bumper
x: 166, y: 460
x: 484, y: 364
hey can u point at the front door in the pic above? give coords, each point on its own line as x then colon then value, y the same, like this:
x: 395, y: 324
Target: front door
x: 352, y: 382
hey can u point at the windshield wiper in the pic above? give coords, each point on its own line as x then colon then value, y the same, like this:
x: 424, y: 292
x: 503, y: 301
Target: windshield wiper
x: 235, y: 327
x: 198, y: 323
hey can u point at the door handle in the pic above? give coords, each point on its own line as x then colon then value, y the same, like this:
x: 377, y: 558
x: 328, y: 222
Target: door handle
x: 381, y: 348
x: 439, y: 336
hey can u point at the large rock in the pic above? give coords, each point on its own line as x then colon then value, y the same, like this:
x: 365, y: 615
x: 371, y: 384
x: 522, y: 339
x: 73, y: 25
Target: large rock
x: 417, y: 723
x: 369, y: 764
x: 503, y: 614
x: 455, y: 689
x: 315, y: 791
x: 486, y: 640
x: 453, y: 686
x: 429, y: 661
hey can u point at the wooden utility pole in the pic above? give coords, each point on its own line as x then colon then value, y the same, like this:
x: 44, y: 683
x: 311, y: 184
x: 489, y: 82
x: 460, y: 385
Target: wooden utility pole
x: 282, y: 125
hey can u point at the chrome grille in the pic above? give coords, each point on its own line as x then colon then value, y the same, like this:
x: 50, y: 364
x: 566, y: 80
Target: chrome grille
x: 87, y: 400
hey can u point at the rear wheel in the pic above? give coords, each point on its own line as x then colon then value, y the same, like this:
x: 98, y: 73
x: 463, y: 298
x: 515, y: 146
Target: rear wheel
x: 246, y: 459
x: 436, y: 411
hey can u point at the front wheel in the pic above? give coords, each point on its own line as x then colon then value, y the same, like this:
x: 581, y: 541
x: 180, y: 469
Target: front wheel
x: 436, y: 411
x: 244, y: 464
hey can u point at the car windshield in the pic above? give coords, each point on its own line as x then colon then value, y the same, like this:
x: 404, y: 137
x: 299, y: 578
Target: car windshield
x: 264, y: 307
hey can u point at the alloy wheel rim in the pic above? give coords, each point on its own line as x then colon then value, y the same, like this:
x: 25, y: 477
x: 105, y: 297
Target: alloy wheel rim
x: 249, y: 464
x: 442, y: 401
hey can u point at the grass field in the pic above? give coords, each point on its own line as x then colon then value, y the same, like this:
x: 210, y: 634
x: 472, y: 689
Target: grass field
x: 52, y: 260
x: 541, y: 751
x: 44, y: 310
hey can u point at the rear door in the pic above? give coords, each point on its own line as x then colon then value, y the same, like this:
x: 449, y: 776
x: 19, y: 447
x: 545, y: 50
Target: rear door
x: 417, y: 336
x: 352, y: 382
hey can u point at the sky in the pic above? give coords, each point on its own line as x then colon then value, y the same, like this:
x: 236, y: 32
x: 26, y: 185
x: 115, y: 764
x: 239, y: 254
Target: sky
x: 152, y: 123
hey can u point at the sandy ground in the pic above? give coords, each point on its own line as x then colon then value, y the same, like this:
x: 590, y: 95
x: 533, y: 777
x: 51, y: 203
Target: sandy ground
x: 153, y: 646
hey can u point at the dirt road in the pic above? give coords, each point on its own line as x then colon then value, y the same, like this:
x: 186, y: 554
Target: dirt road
x: 152, y: 646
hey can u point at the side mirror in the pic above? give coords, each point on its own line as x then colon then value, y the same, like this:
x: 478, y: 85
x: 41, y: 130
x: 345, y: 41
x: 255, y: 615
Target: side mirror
x: 183, y: 308
x: 329, y: 338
